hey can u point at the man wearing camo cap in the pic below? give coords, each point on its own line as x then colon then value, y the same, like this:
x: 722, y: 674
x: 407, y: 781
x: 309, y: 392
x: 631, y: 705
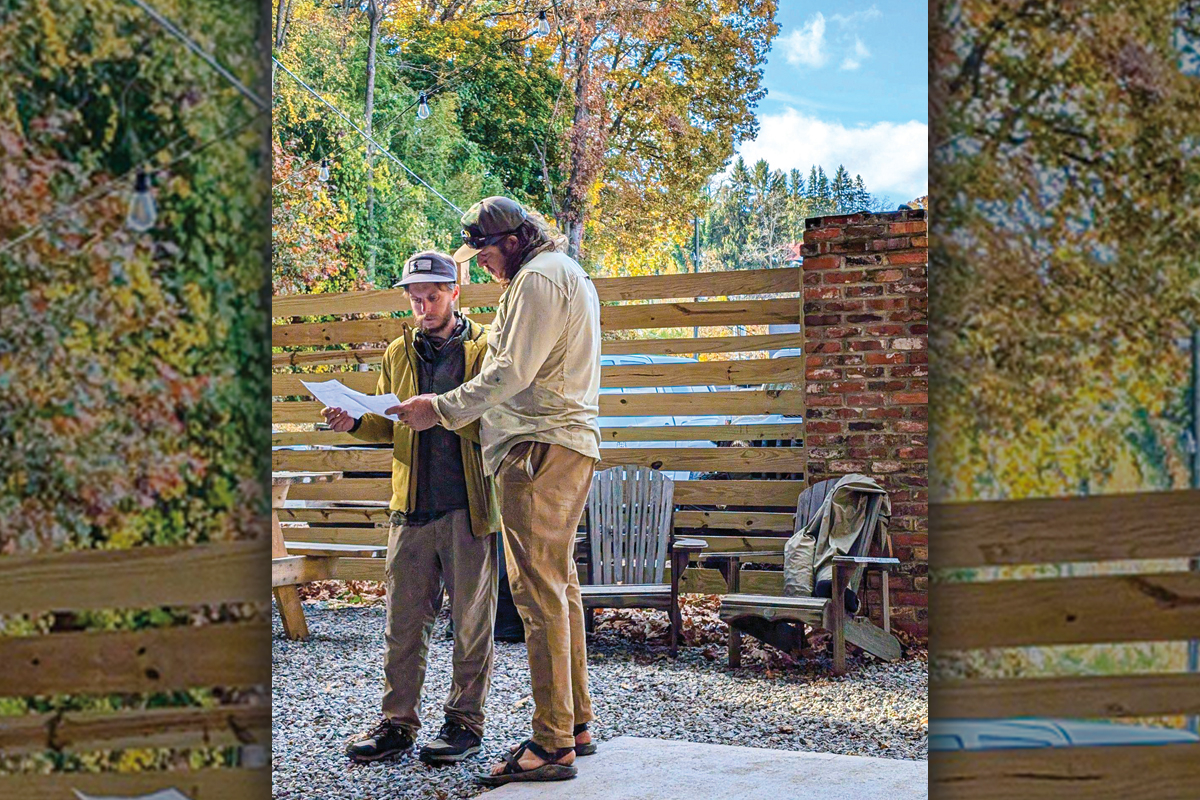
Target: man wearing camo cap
x: 538, y: 399
x: 443, y: 524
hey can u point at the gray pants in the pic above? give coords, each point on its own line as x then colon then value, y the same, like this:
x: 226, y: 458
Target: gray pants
x: 420, y: 560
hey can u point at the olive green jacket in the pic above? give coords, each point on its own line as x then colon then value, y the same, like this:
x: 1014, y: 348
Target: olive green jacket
x: 399, y: 375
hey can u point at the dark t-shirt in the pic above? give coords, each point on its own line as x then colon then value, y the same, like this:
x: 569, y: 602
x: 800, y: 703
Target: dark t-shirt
x: 441, y: 482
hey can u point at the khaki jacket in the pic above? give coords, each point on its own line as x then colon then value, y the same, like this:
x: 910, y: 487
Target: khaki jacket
x: 540, y: 381
x: 399, y: 375
x: 855, y: 511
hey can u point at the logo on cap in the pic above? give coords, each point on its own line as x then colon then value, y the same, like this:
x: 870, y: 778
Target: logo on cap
x: 422, y: 265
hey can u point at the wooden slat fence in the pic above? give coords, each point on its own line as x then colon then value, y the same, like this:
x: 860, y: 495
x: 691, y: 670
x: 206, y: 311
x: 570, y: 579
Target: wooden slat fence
x: 1096, y: 609
x: 150, y: 661
x: 749, y: 507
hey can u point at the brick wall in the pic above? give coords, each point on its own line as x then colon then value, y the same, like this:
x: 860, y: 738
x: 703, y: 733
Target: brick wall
x: 866, y: 304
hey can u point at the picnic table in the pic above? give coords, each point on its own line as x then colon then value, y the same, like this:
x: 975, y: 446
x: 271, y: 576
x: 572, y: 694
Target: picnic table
x: 294, y: 563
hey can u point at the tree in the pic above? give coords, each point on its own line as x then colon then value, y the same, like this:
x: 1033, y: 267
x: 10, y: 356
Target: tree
x: 1065, y: 180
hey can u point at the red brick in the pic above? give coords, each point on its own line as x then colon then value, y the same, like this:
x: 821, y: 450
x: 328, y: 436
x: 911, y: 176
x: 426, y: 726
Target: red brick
x: 848, y: 276
x: 908, y: 227
x: 822, y: 262
x: 910, y: 398
x: 908, y: 257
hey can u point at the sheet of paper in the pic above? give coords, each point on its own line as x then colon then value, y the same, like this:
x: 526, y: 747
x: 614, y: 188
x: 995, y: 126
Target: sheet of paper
x: 335, y: 394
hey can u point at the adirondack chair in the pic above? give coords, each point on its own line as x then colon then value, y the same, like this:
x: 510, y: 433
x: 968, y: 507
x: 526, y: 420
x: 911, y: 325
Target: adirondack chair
x: 630, y: 518
x: 780, y: 620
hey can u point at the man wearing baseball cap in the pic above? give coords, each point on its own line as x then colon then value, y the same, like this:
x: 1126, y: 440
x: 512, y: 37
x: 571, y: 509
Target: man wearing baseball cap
x: 537, y: 397
x: 443, y: 524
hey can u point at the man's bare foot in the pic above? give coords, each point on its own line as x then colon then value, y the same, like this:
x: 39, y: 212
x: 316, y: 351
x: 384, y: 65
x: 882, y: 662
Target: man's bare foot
x: 529, y: 761
x: 583, y: 737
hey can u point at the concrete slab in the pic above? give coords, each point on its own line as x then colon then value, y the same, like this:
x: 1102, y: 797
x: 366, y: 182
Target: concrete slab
x: 629, y: 768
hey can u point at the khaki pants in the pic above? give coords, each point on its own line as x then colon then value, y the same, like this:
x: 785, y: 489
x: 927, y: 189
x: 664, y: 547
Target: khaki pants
x: 420, y: 559
x: 543, y: 489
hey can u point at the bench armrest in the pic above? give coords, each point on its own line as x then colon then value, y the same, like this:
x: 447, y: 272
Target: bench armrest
x: 869, y: 561
x: 688, y: 545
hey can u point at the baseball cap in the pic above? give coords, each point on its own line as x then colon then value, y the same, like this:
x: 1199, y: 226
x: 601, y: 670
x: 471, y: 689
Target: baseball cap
x: 429, y: 266
x: 490, y: 217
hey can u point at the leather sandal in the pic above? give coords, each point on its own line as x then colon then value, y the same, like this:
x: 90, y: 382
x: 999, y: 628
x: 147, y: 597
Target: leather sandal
x: 513, y: 771
x: 583, y: 749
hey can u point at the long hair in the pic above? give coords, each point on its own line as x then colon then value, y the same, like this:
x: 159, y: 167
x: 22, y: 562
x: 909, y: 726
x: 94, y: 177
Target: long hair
x: 536, y: 235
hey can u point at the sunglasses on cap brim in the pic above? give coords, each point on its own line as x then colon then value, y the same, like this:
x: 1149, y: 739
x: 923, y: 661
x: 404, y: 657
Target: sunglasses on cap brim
x: 480, y: 242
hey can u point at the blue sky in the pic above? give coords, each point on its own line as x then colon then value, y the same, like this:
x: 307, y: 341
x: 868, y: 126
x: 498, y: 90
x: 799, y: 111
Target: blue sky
x: 847, y: 83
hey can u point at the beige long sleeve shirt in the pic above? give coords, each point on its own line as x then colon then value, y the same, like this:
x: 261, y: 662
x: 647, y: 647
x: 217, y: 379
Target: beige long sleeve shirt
x: 541, y: 374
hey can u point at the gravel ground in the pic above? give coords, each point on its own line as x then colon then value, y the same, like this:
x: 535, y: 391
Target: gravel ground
x: 327, y: 689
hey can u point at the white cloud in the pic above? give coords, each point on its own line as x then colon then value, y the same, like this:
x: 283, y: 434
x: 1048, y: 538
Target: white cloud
x: 807, y: 45
x: 847, y: 20
x: 892, y: 157
x: 860, y: 52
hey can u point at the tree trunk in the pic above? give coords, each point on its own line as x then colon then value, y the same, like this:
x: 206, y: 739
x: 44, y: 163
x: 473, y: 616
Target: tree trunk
x: 584, y: 147
x: 282, y: 10
x: 374, y: 17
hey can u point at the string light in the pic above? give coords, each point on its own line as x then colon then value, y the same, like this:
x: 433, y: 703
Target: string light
x: 142, y: 210
x: 324, y: 173
x: 422, y: 107
x: 364, y: 134
x: 543, y: 24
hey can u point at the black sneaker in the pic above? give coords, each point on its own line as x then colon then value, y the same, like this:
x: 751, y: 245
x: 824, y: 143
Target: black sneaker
x: 385, y: 740
x: 454, y: 742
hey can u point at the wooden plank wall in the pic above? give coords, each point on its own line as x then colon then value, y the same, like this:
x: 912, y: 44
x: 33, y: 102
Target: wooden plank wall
x: 149, y: 661
x: 751, y: 510
x: 1094, y: 609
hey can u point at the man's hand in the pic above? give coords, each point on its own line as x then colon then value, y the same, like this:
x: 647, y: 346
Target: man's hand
x: 338, y: 420
x: 417, y: 412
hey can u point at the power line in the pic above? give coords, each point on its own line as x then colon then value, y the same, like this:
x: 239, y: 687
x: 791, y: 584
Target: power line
x: 365, y: 135
x: 110, y: 185
x: 204, y: 54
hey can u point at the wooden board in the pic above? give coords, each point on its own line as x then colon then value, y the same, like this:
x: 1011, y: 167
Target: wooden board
x: 753, y: 372
x: 476, y: 295
x: 612, y: 318
x: 771, y: 493
x: 770, y: 546
x: 707, y: 459
x: 1060, y: 530
x: 135, y: 578
x: 296, y: 569
x: 1085, y: 696
x: 699, y: 581
x: 1128, y: 608
x: 136, y: 661
x: 733, y: 520
x: 206, y: 784
x: 644, y: 346
x: 655, y: 433
x: 224, y: 726
x: 735, y: 403
x: 1162, y: 772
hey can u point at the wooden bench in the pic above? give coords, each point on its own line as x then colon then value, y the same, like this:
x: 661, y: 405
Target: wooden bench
x: 762, y: 615
x: 821, y: 613
x: 631, y: 536
x: 295, y: 563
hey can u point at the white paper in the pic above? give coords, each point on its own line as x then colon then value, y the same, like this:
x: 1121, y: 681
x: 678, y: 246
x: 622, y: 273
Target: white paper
x: 335, y: 394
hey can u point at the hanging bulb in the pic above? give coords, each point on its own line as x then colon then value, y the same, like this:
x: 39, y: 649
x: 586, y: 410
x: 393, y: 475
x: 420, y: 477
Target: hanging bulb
x: 324, y: 173
x: 142, y: 211
x: 422, y: 108
x: 543, y: 24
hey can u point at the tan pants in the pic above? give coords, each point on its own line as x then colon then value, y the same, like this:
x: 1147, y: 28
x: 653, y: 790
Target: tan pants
x: 420, y: 559
x: 543, y: 489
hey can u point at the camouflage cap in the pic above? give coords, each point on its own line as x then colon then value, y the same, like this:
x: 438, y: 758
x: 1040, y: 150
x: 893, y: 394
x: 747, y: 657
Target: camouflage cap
x: 429, y: 266
x: 492, y: 216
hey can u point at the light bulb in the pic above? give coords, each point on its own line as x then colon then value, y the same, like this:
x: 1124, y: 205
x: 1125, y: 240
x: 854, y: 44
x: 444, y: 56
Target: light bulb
x: 422, y: 108
x: 142, y: 211
x: 324, y: 173
x: 543, y: 24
